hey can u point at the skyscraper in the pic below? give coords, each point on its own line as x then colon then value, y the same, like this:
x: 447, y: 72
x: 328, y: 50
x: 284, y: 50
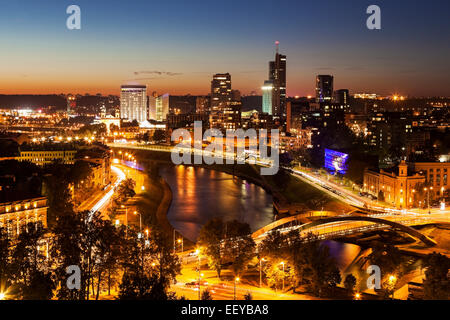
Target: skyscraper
x: 220, y: 90
x: 342, y: 97
x: 324, y: 88
x: 224, y: 114
x: 133, y: 102
x: 71, y: 104
x: 202, y: 104
x: 267, y: 98
x: 277, y: 74
x: 159, y: 107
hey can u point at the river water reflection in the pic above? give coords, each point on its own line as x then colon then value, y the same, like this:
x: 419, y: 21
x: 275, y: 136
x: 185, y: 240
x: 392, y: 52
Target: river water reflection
x: 200, y: 194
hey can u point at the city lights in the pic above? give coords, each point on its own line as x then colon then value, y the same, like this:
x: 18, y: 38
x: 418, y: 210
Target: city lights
x: 187, y: 154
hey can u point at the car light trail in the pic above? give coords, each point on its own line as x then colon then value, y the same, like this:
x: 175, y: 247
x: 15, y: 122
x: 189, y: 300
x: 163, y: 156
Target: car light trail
x: 120, y: 177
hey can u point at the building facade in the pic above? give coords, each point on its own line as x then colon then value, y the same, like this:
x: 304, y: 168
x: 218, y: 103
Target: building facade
x: 159, y: 107
x: 41, y: 157
x: 324, y: 88
x: 225, y: 112
x: 14, y: 216
x: 220, y: 91
x: 397, y: 188
x: 411, y: 185
x: 133, y: 102
x: 267, y: 98
x: 277, y: 74
x: 202, y: 105
x: 436, y: 174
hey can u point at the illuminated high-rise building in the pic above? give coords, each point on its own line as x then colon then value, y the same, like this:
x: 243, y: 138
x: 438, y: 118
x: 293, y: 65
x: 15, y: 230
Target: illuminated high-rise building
x: 202, y: 104
x: 342, y: 97
x: 71, y: 104
x: 220, y: 90
x: 277, y: 74
x: 267, y: 98
x: 159, y: 107
x: 133, y: 102
x: 221, y: 98
x: 324, y: 88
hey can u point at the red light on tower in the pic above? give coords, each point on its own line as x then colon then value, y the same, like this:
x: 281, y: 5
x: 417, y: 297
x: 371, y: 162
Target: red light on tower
x: 277, y: 44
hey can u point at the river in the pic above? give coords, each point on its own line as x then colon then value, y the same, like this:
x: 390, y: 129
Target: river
x: 200, y: 194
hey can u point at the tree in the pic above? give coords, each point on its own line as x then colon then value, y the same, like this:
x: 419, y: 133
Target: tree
x: 141, y: 287
x: 159, y: 135
x: 148, y: 268
x: 108, y: 252
x: 275, y: 249
x: 387, y: 257
x: 125, y: 190
x: 316, y: 268
x: 248, y: 296
x: 29, y: 273
x: 56, y: 189
x: 350, y: 283
x: 5, y: 256
x: 81, y: 170
x: 238, y: 245
x: 210, y: 237
x: 206, y: 295
x: 85, y: 240
x: 437, y: 277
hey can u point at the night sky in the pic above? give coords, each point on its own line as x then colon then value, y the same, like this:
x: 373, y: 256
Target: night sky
x: 176, y: 46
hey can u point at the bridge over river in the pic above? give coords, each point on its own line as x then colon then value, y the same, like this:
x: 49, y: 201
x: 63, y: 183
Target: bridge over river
x: 338, y: 226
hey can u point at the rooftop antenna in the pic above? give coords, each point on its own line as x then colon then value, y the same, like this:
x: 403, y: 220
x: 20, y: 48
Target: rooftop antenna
x: 277, y: 44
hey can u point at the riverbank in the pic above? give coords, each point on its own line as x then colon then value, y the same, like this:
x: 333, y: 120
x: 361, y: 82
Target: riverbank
x: 153, y: 199
x: 291, y: 194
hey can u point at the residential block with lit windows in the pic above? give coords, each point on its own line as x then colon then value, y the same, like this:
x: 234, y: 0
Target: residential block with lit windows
x: 41, y: 157
x: 14, y: 216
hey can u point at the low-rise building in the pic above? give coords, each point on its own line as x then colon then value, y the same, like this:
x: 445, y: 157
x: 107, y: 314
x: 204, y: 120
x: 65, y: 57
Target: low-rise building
x: 397, y: 187
x: 403, y: 186
x: 14, y: 216
x: 41, y: 157
x: 436, y: 174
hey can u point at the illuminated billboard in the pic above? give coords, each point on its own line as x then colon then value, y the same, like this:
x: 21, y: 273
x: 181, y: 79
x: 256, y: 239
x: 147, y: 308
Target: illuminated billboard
x: 335, y: 161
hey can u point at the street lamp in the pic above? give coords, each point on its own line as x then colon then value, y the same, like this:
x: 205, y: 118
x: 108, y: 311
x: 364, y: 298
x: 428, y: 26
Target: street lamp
x: 235, y: 281
x: 126, y: 220
x: 392, y: 281
x: 428, y: 193
x: 182, y: 243
x: 357, y: 296
x: 140, y: 221
x: 198, y: 268
x: 260, y: 271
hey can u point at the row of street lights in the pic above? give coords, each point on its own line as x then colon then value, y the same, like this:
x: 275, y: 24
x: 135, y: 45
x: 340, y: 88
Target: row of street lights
x: 282, y: 263
x: 200, y: 276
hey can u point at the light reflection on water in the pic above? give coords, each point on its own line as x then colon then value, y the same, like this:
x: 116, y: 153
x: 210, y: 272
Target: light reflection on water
x: 200, y: 194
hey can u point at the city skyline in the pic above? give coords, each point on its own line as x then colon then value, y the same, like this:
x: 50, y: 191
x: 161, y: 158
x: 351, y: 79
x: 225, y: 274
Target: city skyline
x: 176, y: 48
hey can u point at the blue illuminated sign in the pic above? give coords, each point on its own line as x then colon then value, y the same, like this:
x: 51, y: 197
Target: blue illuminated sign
x: 336, y: 161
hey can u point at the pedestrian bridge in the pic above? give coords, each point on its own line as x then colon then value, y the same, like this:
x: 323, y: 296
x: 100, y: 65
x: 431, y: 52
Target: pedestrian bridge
x: 346, y: 225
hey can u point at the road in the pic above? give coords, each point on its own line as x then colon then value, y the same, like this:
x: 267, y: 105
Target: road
x: 317, y: 181
x: 100, y: 199
x: 223, y: 290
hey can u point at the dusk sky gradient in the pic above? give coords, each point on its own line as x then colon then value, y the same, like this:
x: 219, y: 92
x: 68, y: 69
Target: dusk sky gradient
x: 125, y: 42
